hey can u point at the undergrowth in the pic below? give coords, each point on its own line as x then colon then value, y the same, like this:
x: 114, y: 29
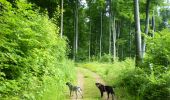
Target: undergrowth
x: 33, y: 62
x: 132, y: 83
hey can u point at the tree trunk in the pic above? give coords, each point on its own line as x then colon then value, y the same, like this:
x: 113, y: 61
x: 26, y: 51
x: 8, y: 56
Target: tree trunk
x: 90, y: 42
x: 90, y: 38
x: 146, y: 28
x: 114, y: 39
x: 138, y: 33
x: 101, y: 33
x: 61, y: 31
x: 74, y: 43
x: 130, y: 41
x: 118, y: 36
x: 122, y: 52
x: 110, y: 27
x: 153, y: 24
x: 76, y: 27
x: 75, y: 31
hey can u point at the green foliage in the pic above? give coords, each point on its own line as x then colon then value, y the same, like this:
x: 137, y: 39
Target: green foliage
x: 133, y: 80
x: 33, y: 62
x: 158, y: 50
x: 133, y: 83
x: 106, y: 58
x: 145, y: 87
x: 111, y: 74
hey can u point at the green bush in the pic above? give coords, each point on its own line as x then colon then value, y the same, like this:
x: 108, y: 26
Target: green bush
x: 145, y: 87
x: 33, y: 62
x: 158, y: 49
x: 106, y: 58
x: 133, y: 80
x: 133, y: 83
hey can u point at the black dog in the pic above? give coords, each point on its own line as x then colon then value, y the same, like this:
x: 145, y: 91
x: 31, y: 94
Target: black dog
x: 74, y: 89
x: 107, y: 89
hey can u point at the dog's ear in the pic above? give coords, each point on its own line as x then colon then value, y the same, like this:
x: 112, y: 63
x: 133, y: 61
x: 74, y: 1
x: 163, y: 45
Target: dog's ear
x: 67, y: 83
x: 97, y: 84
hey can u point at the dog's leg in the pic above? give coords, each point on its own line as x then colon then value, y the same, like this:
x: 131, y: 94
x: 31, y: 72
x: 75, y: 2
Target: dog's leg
x: 80, y: 93
x: 112, y: 96
x: 76, y: 94
x: 70, y: 93
x: 101, y: 93
x: 107, y: 95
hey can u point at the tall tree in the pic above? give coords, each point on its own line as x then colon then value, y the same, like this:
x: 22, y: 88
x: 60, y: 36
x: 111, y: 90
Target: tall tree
x: 146, y: 27
x: 110, y: 26
x: 138, y: 32
x: 75, y: 44
x: 101, y: 33
x: 61, y: 27
x: 114, y: 38
x: 153, y: 23
x: 76, y: 27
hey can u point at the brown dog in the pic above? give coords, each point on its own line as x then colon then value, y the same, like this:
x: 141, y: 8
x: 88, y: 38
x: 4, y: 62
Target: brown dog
x: 107, y: 89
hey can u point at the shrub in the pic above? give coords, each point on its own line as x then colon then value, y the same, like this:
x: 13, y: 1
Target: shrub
x: 145, y: 87
x: 106, y: 58
x: 33, y: 62
x: 133, y: 80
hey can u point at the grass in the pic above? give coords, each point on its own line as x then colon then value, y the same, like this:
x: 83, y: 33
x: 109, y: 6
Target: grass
x: 90, y: 90
x: 111, y: 74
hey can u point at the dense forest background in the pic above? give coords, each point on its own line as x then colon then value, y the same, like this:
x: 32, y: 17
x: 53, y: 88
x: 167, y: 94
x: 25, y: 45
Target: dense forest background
x: 41, y: 40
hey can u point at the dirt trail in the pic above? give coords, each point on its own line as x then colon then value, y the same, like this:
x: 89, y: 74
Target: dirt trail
x: 86, y: 79
x: 96, y: 77
x: 80, y: 83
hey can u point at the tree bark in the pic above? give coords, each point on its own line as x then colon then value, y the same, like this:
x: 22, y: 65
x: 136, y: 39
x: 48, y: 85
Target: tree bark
x: 138, y: 33
x: 90, y: 43
x: 75, y: 31
x: 118, y: 36
x: 153, y: 24
x: 114, y: 39
x: 146, y: 28
x: 101, y: 33
x: 90, y: 37
x: 130, y: 40
x: 74, y: 43
x: 110, y: 27
x: 61, y: 31
x: 76, y: 26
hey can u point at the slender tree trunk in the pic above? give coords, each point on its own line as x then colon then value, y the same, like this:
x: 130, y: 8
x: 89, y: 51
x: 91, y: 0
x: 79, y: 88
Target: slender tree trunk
x: 74, y: 43
x: 138, y: 33
x: 146, y: 28
x: 101, y: 33
x: 122, y: 52
x: 110, y: 43
x: 118, y: 35
x: 90, y: 37
x: 75, y: 31
x: 153, y: 24
x: 76, y: 27
x: 114, y: 39
x: 110, y: 27
x: 90, y: 42
x: 130, y: 41
x: 61, y: 31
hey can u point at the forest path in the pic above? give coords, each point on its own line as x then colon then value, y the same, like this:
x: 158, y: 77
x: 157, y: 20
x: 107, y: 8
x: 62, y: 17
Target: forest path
x: 86, y: 79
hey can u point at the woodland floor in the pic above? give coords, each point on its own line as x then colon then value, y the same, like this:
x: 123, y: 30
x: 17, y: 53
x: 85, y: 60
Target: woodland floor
x: 86, y: 79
